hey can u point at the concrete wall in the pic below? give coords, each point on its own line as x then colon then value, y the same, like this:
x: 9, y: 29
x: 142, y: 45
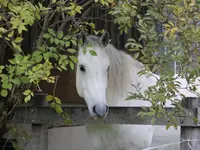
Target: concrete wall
x: 69, y: 138
x: 76, y: 138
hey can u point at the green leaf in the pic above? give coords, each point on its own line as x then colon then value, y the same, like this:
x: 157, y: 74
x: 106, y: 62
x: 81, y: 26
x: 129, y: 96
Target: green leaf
x: 51, y: 31
x: 53, y: 1
x: 2, y: 67
x: 21, y: 28
x: 67, y: 121
x: 93, y: 53
x: 71, y: 65
x: 60, y: 34
x: 18, y: 57
x: 67, y: 44
x: 62, y: 42
x: 47, y: 36
x: 58, y: 109
x: 73, y: 41
x: 38, y: 58
x: 58, y: 101
x: 4, y: 78
x: 42, y: 48
x: 36, y: 53
x: 55, y: 56
x: 49, y: 98
x: 4, y: 92
x: 56, y: 41
x: 70, y: 50
x: 27, y: 98
x: 62, y: 59
x: 130, y: 97
x: 51, y: 40
x: 27, y: 92
x: 47, y: 55
x: 110, y: 1
x: 89, y: 45
x: 18, y: 39
x: 168, y: 126
x: 16, y: 81
x: 7, y: 86
x: 53, y: 104
x: 74, y: 59
x: 24, y: 79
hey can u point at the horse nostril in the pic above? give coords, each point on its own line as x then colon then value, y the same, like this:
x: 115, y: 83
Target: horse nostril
x: 100, y: 110
x: 94, y: 109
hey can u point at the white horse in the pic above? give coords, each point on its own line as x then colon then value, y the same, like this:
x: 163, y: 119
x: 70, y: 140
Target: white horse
x: 105, y: 80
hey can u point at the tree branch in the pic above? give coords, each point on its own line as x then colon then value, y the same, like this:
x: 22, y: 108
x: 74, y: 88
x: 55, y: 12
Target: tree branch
x: 44, y: 27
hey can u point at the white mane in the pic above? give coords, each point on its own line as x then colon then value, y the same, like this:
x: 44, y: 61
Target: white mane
x: 122, y: 74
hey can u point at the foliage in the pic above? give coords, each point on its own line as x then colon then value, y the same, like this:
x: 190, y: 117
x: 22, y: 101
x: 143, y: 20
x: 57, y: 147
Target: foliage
x: 30, y: 69
x: 54, y: 48
x: 178, y: 41
x: 21, y: 14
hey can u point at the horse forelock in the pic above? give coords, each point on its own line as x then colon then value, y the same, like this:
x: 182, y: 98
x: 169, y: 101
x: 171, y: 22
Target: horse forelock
x: 93, y: 40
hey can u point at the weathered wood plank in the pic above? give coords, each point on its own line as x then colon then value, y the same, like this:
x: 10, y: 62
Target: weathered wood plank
x: 191, y: 134
x: 80, y: 116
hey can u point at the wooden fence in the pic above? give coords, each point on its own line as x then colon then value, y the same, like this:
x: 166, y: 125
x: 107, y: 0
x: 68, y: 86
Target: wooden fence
x: 45, y: 117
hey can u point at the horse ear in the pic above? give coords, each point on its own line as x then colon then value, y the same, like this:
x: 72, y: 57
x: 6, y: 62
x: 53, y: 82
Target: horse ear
x: 105, y: 39
x: 82, y: 38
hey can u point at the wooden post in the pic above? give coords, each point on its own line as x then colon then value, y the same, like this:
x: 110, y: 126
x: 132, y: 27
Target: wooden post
x: 190, y: 135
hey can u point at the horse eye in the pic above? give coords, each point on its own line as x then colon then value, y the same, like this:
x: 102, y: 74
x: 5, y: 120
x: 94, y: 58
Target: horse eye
x: 82, y: 68
x: 108, y: 68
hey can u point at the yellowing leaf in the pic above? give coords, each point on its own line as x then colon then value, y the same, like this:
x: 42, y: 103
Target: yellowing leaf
x: 74, y: 59
x: 18, y: 39
x: 27, y: 92
x: 27, y: 98
x: 49, y: 98
x: 58, y: 101
x: 3, y: 30
x: 11, y: 34
x: 4, y: 92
